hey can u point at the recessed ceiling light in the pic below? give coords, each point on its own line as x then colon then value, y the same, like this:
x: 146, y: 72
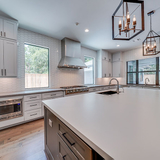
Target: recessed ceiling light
x: 118, y: 45
x: 86, y: 30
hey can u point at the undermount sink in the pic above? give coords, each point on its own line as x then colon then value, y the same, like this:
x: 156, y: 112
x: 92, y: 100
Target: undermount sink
x: 108, y: 92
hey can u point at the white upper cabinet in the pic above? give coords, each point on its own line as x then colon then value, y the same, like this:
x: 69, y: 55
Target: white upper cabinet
x: 1, y: 27
x: 8, y: 28
x: 10, y: 59
x: 117, y: 57
x: 106, y: 69
x: 117, y: 69
x: 106, y: 55
x: 1, y: 57
x: 104, y: 64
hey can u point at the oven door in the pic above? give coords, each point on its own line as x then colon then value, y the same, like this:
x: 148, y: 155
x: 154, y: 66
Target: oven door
x: 10, y: 110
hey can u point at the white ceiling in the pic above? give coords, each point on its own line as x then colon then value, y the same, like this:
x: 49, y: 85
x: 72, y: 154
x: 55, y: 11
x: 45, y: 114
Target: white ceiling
x: 56, y: 18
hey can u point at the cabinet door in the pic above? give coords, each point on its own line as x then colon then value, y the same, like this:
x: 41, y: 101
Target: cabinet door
x: 104, y: 68
x: 1, y: 27
x: 10, y: 29
x: 1, y: 57
x: 117, y: 69
x: 10, y: 59
x: 117, y: 57
x: 109, y: 69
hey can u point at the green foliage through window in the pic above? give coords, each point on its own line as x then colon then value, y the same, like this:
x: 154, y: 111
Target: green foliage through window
x: 36, y: 59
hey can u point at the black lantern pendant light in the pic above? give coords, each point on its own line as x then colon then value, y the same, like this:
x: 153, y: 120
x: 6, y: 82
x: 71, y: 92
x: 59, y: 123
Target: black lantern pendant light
x: 128, y: 20
x: 152, y: 42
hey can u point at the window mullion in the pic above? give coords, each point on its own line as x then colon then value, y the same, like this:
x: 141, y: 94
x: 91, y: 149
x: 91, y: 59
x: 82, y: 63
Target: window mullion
x: 157, y: 70
x: 137, y: 63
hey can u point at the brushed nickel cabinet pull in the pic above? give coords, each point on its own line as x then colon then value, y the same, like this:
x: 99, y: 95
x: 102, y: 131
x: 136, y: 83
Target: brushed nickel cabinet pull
x: 5, y: 72
x: 33, y: 105
x: 33, y: 114
x: 33, y: 97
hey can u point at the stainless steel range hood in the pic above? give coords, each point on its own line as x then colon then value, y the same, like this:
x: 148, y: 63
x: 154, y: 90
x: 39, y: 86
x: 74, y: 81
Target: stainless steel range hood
x: 71, y: 55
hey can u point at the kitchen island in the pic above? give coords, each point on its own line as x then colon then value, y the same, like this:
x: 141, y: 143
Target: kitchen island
x: 119, y: 127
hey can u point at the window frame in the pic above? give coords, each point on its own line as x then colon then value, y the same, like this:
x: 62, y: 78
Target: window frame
x: 36, y: 45
x: 93, y: 68
x: 137, y: 71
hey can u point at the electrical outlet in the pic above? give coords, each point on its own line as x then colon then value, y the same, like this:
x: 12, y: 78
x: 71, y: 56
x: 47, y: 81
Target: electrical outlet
x: 50, y: 123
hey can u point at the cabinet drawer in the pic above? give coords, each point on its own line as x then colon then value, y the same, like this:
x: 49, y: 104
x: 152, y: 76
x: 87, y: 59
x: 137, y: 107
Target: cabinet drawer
x: 32, y: 97
x: 64, y: 152
x: 52, y: 95
x: 32, y: 105
x: 79, y: 148
x: 32, y: 114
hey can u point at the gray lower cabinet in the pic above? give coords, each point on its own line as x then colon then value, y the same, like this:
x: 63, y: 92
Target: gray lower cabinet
x: 61, y: 143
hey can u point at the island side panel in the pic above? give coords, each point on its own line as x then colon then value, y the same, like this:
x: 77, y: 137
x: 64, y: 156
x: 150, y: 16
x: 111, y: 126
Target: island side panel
x: 50, y: 135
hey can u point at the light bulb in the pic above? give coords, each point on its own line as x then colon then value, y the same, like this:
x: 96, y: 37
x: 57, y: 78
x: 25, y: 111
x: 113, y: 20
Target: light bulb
x: 134, y: 18
x: 128, y: 16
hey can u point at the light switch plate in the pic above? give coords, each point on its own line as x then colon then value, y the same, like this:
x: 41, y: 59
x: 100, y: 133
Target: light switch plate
x: 50, y: 123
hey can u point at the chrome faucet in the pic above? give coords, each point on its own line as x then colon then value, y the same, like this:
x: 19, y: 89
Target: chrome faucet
x: 146, y: 81
x: 117, y: 84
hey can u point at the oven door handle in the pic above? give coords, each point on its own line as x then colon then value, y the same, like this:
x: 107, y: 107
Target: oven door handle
x: 7, y: 104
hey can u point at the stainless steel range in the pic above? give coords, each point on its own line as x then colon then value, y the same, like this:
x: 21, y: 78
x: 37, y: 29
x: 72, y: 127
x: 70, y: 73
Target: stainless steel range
x: 75, y: 89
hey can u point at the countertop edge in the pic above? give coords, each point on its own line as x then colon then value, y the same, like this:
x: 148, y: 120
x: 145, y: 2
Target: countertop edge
x: 29, y: 92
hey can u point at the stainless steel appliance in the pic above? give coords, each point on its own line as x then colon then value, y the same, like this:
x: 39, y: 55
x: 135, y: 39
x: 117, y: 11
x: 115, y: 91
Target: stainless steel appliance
x: 75, y: 89
x: 71, y: 54
x: 11, y: 108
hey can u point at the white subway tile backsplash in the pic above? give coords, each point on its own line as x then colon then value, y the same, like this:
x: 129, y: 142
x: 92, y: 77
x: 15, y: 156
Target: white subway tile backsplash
x: 58, y: 77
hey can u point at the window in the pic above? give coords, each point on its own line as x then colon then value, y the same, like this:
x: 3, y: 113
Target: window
x: 139, y: 70
x: 147, y: 69
x: 131, y: 72
x: 36, y: 66
x: 89, y: 71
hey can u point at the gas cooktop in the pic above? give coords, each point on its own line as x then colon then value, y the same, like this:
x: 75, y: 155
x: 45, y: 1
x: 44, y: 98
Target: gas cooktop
x: 75, y: 89
x: 69, y: 87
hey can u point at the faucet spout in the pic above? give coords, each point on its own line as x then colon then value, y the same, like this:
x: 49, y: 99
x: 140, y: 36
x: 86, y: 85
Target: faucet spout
x: 117, y: 84
x: 146, y: 81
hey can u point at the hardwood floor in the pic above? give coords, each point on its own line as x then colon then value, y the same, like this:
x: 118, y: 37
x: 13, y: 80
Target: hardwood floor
x: 23, y: 142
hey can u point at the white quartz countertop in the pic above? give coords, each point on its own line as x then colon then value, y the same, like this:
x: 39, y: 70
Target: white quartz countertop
x: 124, y: 126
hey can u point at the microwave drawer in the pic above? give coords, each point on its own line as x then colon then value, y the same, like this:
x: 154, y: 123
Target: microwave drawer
x: 79, y: 148
x: 64, y: 152
x: 32, y: 105
x: 32, y: 114
x: 52, y: 95
x: 32, y: 97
